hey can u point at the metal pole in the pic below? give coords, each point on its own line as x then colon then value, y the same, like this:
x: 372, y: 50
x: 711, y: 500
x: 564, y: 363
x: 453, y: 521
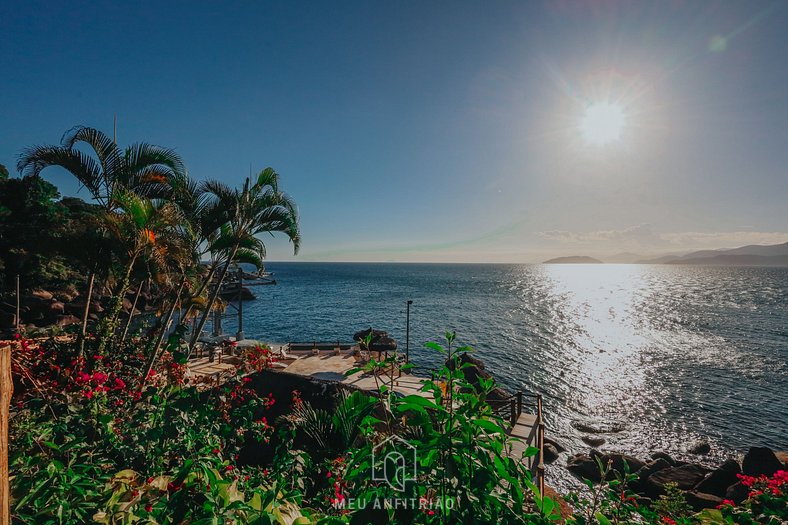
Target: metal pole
x: 407, y: 332
x: 239, y: 336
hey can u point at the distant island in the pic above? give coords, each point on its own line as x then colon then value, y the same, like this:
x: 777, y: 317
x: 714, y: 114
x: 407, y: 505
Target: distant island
x: 574, y: 259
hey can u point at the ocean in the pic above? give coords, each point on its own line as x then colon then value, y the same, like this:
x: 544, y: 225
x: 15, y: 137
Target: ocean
x: 648, y: 357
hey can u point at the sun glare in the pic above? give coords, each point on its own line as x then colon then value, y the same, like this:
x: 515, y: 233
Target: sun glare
x: 602, y: 123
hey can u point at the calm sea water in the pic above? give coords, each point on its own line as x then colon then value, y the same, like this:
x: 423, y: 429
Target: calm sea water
x: 654, y: 357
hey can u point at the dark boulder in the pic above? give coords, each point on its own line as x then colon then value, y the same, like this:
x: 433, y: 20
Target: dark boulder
x: 550, y: 453
x: 737, y: 493
x: 66, y: 320
x: 594, y: 441
x: 664, y: 455
x: 655, y: 465
x: 700, y: 448
x: 363, y: 334
x: 42, y: 294
x: 685, y: 477
x: 584, y: 466
x: 760, y: 461
x: 57, y: 308
x: 383, y: 344
x: 717, y: 481
x: 558, y: 446
x: 700, y: 500
x: 619, y: 461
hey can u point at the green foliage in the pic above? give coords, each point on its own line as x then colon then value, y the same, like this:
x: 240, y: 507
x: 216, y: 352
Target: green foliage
x: 672, y: 504
x: 30, y: 225
x: 464, y: 474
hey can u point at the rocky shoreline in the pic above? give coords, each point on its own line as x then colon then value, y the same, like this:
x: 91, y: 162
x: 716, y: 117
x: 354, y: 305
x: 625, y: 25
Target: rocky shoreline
x: 703, y: 487
x: 42, y: 309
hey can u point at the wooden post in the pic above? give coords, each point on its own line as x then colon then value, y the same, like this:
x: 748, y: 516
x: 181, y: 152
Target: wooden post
x: 540, y: 443
x: 6, y: 390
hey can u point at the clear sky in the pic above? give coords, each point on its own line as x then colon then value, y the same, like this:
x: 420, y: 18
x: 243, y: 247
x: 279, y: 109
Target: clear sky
x: 436, y: 131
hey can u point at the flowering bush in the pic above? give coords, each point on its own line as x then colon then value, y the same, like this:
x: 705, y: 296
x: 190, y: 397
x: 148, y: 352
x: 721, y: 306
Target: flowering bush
x: 94, y: 443
x: 766, y: 503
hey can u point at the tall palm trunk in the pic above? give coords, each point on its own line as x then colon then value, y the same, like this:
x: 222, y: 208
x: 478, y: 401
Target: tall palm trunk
x: 212, y: 300
x: 85, y: 314
x: 110, y: 319
x: 163, y: 332
x: 200, y: 290
x: 131, y: 312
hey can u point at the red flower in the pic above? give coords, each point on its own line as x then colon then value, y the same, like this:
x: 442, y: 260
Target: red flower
x: 148, y: 508
x: 726, y: 502
x: 669, y: 521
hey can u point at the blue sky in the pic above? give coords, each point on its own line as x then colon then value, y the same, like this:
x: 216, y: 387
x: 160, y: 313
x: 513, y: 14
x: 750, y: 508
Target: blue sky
x: 434, y: 131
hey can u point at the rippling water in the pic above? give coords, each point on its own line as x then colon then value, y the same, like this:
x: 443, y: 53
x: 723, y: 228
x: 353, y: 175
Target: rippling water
x: 655, y: 357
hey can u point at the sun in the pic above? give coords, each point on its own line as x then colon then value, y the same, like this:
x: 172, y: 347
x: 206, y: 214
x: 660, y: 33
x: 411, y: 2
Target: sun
x: 602, y: 123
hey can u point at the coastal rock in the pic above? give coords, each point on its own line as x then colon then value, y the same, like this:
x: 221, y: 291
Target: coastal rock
x: 700, y: 500
x: 619, y: 461
x: 737, y: 493
x: 717, y: 481
x: 685, y: 477
x: 760, y: 461
x: 57, y: 308
x: 639, y: 484
x: 42, y: 294
x: 558, y: 446
x: 664, y: 455
x: 550, y: 453
x: 66, y: 320
x: 584, y: 467
x: 783, y: 457
x: 363, y: 334
x: 594, y: 441
x: 700, y: 448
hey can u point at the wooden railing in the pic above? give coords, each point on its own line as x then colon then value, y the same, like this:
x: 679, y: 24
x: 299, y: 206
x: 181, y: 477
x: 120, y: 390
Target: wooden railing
x: 510, y: 409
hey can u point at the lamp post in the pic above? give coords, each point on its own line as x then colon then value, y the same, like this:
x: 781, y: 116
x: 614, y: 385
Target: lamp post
x: 407, y: 332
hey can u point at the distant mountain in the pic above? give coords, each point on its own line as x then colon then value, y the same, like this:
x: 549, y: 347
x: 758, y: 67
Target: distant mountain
x: 575, y: 259
x: 752, y: 255
x: 623, y: 258
x: 660, y: 260
x: 737, y: 260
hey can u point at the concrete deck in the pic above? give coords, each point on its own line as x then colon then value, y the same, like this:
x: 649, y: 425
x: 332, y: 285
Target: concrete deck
x: 328, y: 366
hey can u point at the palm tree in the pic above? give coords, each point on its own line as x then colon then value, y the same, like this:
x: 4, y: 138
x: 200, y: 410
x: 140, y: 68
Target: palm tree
x: 259, y: 207
x: 148, y: 170
x: 152, y: 230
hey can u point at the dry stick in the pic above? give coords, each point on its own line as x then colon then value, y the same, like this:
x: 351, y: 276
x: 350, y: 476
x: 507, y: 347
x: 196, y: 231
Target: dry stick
x: 6, y: 391
x: 85, y: 314
x: 165, y: 325
x: 212, y: 299
x: 131, y: 312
